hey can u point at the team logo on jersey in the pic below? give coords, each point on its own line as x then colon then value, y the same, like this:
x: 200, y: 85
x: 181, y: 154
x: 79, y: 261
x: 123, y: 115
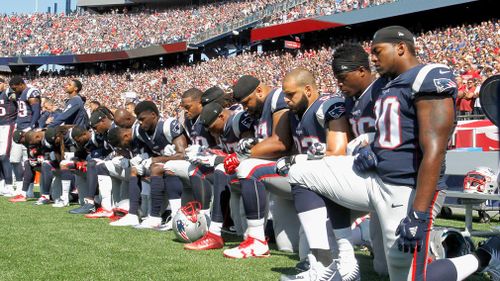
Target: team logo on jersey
x: 337, y: 110
x: 176, y: 129
x: 247, y: 122
x: 443, y: 84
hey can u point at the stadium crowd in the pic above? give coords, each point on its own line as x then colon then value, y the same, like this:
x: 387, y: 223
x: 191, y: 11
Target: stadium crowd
x: 448, y: 46
x: 322, y: 8
x: 85, y: 32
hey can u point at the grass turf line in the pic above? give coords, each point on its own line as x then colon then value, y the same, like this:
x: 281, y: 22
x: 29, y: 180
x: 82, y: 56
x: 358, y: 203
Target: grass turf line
x: 45, y: 243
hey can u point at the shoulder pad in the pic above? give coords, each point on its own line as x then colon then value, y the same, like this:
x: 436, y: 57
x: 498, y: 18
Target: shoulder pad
x: 332, y: 108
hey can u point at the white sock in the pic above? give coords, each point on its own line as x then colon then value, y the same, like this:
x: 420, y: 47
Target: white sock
x: 155, y: 220
x: 465, y: 266
x: 175, y: 205
x: 105, y: 186
x: 23, y: 193
x: 314, y: 224
x: 346, y: 251
x: 66, y: 186
x: 2, y: 185
x: 89, y: 201
x: 215, y: 228
x: 256, y: 229
x: 19, y: 187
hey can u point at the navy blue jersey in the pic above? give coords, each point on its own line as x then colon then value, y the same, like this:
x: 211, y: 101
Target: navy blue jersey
x: 274, y: 102
x: 199, y: 134
x: 74, y: 113
x: 396, y: 137
x: 311, y: 128
x: 8, y: 109
x: 42, y: 122
x: 165, y: 132
x: 96, y: 148
x: 238, y: 123
x: 24, y: 109
x: 360, y: 111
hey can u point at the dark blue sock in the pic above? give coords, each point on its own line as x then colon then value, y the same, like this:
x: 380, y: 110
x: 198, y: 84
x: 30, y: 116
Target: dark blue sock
x: 441, y: 270
x: 254, y: 197
x: 157, y: 195
x: 7, y: 170
x: 202, y: 191
x: 91, y: 179
x: 46, y: 178
x: 221, y: 180
x: 134, y: 195
x: 28, y: 176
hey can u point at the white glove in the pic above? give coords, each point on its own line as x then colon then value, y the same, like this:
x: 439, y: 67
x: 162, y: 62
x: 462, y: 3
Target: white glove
x: 169, y: 150
x: 245, y: 145
x: 141, y: 171
x: 193, y: 150
x: 316, y: 151
x: 117, y: 161
x: 204, y: 160
x: 136, y: 161
x: 361, y: 140
x: 147, y: 163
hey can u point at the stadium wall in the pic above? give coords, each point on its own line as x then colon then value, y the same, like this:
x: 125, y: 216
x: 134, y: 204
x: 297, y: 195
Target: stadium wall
x: 398, y: 8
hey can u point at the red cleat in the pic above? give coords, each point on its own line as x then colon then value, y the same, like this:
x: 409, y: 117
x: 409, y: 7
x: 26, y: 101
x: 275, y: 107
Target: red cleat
x: 208, y: 242
x: 100, y: 213
x: 18, y: 198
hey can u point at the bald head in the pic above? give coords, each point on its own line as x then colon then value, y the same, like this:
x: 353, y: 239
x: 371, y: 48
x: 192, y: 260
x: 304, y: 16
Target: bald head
x: 301, y: 77
x: 123, y: 118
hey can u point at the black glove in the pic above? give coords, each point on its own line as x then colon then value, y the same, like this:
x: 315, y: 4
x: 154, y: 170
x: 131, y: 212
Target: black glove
x: 412, y: 231
x: 365, y: 160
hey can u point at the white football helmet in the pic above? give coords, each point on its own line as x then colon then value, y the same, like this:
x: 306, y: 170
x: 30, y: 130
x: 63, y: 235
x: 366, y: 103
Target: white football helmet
x: 189, y: 224
x: 481, y: 180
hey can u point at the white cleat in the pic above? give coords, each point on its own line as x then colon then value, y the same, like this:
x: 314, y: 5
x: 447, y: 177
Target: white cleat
x: 58, y: 203
x: 127, y: 220
x: 8, y: 191
x: 249, y: 248
x: 152, y: 223
x: 348, y: 269
x: 316, y: 272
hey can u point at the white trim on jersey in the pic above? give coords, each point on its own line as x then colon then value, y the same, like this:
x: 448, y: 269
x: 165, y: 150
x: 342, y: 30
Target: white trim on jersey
x: 274, y: 101
x: 422, y: 74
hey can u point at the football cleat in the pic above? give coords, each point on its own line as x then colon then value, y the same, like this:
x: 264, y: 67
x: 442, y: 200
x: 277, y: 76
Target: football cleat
x: 127, y: 220
x: 99, y: 213
x: 18, y: 198
x: 303, y: 265
x: 251, y: 247
x: 42, y: 201
x: 58, y: 203
x: 208, y: 242
x: 316, y: 272
x: 8, y: 191
x: 492, y: 248
x: 348, y: 269
x: 152, y: 223
x: 86, y: 208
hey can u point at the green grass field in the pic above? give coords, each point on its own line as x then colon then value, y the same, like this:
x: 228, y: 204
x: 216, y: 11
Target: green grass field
x: 45, y: 243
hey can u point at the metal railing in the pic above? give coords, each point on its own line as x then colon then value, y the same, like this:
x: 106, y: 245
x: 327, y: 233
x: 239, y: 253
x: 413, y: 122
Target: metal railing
x: 235, y: 25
